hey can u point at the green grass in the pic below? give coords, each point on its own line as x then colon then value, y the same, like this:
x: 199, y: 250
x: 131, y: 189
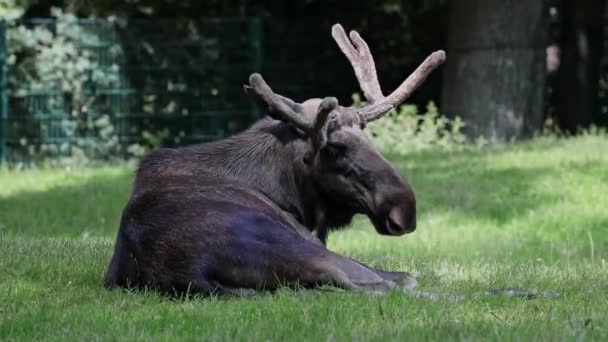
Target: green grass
x: 531, y: 215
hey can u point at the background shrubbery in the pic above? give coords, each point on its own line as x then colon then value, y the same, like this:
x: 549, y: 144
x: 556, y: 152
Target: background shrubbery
x: 54, y: 57
x: 406, y: 130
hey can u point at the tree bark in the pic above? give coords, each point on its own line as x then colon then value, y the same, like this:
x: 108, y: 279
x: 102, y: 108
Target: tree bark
x: 495, y: 71
x: 582, y: 40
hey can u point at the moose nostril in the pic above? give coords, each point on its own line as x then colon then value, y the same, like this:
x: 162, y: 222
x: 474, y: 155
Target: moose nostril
x: 395, y: 221
x: 401, y: 220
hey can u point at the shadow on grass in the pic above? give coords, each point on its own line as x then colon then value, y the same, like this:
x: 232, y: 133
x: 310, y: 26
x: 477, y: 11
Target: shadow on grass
x: 467, y: 183
x: 91, y: 207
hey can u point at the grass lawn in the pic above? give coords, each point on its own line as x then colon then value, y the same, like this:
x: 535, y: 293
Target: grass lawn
x: 531, y: 215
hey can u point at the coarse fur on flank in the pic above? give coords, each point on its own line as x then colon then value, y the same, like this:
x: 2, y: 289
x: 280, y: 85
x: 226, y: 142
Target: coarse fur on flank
x: 268, y: 158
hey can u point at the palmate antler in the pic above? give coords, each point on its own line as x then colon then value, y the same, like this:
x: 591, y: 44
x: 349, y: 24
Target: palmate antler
x: 362, y: 61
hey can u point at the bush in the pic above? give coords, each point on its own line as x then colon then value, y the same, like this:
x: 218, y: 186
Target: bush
x: 54, y: 59
x: 404, y: 130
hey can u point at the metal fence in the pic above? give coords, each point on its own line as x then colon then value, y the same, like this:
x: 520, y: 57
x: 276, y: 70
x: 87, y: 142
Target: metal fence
x: 186, y: 85
x: 177, y: 83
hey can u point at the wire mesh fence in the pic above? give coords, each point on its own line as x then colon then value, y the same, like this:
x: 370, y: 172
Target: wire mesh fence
x: 157, y: 88
x: 156, y: 82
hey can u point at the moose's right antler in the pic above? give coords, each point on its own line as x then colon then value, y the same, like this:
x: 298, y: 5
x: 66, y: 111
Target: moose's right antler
x: 362, y: 61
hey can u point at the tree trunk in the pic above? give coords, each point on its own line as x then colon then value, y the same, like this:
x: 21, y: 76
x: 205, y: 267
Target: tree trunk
x: 582, y: 40
x: 495, y: 71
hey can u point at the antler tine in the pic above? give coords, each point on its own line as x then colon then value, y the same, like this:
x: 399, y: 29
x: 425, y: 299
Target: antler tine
x: 296, y: 107
x: 275, y: 104
x: 291, y: 111
x: 375, y: 111
x: 360, y: 57
x: 362, y: 61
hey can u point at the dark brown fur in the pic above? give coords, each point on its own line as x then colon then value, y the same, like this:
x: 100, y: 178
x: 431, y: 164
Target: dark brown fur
x: 238, y: 213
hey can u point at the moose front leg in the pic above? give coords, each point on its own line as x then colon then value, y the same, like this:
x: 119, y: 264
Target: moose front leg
x: 401, y: 279
x: 322, y: 228
x: 260, y: 253
x: 346, y: 273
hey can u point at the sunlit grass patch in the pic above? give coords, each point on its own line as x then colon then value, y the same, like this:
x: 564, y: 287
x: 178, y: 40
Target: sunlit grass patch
x: 531, y: 215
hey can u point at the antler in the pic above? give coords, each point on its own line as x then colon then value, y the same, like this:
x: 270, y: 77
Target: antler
x: 290, y: 111
x: 362, y: 61
x: 376, y: 111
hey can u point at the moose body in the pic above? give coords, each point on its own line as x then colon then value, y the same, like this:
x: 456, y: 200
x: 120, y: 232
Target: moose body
x: 253, y: 211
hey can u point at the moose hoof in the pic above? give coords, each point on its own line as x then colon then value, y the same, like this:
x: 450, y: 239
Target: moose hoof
x: 406, y: 281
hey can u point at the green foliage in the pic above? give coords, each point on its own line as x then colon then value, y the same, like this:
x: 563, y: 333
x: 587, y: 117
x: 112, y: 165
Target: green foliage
x: 405, y: 130
x: 527, y: 215
x: 82, y: 89
x: 11, y: 9
x: 551, y: 129
x: 151, y: 141
x: 57, y: 61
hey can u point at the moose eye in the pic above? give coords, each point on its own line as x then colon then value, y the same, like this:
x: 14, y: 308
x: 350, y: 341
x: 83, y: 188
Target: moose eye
x: 335, y: 149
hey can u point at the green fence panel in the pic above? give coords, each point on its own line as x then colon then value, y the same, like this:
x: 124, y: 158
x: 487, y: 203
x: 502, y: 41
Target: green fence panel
x: 175, y: 82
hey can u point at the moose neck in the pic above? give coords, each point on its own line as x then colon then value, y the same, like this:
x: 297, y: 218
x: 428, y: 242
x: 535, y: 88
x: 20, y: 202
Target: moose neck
x: 267, y: 157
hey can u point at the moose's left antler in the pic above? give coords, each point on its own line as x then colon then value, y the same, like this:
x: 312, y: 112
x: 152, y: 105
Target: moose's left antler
x: 290, y: 111
x: 362, y: 61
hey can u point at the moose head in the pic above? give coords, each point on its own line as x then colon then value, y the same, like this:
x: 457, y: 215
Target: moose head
x: 346, y: 167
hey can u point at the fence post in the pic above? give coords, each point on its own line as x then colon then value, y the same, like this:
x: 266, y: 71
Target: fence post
x: 256, y: 35
x: 3, y: 93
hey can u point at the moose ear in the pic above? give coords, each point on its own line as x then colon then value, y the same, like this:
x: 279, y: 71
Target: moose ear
x: 308, y: 158
x: 319, y: 137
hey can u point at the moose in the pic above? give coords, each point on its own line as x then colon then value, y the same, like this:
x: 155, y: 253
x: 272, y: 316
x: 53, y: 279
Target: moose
x: 252, y: 211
